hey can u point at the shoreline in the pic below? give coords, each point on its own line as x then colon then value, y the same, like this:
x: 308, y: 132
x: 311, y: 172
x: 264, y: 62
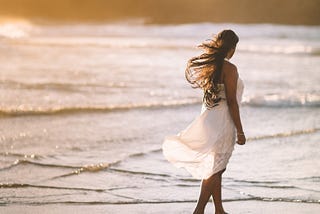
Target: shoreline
x: 234, y: 207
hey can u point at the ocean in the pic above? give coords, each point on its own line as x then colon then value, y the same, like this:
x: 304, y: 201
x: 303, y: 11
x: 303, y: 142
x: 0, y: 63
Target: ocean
x: 84, y: 109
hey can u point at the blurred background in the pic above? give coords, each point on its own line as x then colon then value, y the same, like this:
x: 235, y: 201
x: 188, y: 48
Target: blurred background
x: 90, y: 88
x: 166, y: 11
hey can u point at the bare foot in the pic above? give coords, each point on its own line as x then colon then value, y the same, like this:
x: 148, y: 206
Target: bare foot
x: 198, y: 211
x: 221, y: 212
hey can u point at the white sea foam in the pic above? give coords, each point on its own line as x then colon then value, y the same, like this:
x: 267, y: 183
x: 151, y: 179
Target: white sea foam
x: 271, y: 100
x: 283, y: 100
x: 253, y: 38
x: 280, y: 49
x: 15, y: 29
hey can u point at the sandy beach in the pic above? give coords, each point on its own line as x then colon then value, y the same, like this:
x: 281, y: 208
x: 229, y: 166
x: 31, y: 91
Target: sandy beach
x: 237, y: 207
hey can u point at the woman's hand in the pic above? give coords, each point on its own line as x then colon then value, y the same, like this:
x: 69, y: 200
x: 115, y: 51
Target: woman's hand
x: 241, y: 138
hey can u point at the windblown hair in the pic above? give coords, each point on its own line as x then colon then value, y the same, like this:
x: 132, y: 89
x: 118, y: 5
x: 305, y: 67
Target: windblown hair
x: 204, y: 71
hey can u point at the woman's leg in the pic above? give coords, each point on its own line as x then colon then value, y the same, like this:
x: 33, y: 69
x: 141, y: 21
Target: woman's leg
x: 208, y: 188
x: 216, y: 193
x: 205, y: 193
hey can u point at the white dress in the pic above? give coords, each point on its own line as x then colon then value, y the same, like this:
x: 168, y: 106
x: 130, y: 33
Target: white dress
x: 206, y: 145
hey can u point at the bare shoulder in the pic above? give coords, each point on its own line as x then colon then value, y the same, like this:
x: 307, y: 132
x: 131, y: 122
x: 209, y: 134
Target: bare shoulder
x: 229, y: 70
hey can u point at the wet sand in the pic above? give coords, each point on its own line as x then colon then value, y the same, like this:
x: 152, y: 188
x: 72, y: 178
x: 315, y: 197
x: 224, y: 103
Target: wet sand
x: 236, y: 207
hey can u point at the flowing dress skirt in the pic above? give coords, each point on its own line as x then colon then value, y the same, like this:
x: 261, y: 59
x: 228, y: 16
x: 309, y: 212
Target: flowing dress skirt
x: 205, y: 146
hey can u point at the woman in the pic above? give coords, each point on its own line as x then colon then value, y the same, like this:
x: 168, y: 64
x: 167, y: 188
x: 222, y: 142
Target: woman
x: 205, y: 146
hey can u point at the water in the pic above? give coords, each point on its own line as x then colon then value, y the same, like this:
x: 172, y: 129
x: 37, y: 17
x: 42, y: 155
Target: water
x: 84, y: 109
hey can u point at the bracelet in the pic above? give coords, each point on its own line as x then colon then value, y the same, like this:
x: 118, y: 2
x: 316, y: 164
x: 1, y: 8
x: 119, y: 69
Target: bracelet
x: 240, y: 133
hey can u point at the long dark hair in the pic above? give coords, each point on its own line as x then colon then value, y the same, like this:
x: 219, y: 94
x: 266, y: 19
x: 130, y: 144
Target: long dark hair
x: 204, y: 71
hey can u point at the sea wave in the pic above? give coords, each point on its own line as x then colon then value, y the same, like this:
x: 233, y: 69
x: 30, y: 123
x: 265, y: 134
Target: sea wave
x: 75, y: 169
x: 164, y: 43
x: 283, y: 100
x: 61, y: 86
x: 245, y: 197
x: 258, y: 38
x: 137, y: 28
x: 281, y: 49
x: 285, y: 134
x: 109, y: 42
x: 28, y: 111
x: 36, y: 160
x: 15, y: 29
x: 270, y: 100
x: 25, y: 185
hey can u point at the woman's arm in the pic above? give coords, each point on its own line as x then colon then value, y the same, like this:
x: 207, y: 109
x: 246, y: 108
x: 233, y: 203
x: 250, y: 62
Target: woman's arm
x: 230, y: 83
